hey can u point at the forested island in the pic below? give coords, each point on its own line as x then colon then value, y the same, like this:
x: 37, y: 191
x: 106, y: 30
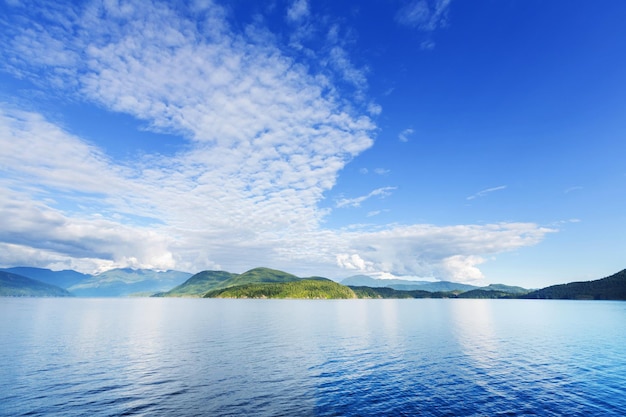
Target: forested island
x: 271, y: 283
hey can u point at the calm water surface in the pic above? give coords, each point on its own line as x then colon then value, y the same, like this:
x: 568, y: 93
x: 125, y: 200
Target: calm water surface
x: 208, y: 357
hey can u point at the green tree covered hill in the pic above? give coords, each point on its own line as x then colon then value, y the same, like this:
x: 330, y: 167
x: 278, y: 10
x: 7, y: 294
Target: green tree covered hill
x: 386, y: 292
x: 481, y: 293
x: 609, y: 288
x: 205, y: 281
x: 302, y: 288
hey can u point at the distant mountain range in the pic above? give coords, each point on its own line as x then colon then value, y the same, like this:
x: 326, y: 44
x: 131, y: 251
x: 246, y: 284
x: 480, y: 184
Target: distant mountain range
x: 112, y: 283
x: 13, y: 285
x: 125, y: 282
x: 367, y: 281
x: 430, y: 286
x: 63, y: 279
x: 271, y: 283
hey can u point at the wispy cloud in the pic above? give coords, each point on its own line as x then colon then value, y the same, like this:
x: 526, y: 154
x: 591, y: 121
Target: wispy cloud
x: 483, y: 193
x: 425, y: 15
x: 572, y: 189
x: 356, y: 202
x: 376, y: 212
x: 298, y: 10
x: 405, y: 134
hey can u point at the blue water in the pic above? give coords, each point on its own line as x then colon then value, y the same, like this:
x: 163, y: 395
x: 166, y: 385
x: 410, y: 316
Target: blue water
x: 208, y: 357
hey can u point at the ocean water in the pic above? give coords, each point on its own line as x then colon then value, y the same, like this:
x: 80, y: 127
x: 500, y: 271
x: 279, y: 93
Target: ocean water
x: 209, y: 357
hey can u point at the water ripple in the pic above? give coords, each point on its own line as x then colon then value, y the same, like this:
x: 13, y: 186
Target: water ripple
x: 165, y: 357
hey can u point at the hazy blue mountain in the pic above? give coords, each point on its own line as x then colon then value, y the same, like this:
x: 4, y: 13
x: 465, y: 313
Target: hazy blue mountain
x: 367, y: 281
x: 127, y: 281
x: 431, y: 286
x: 14, y: 285
x: 405, y: 285
x: 437, y: 286
x: 63, y: 279
x: 609, y: 288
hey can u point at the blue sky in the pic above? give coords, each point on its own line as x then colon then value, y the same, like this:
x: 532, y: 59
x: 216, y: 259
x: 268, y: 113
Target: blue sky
x: 478, y: 142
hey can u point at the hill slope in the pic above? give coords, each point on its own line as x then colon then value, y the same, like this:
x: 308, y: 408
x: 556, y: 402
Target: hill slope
x: 198, y: 284
x: 13, y: 285
x: 609, y: 288
x: 301, y: 289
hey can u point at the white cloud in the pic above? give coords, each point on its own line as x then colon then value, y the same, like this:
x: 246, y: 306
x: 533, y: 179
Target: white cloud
x: 266, y: 140
x: 263, y: 138
x: 350, y: 73
x: 356, y: 201
x: 427, y: 45
x: 374, y: 109
x: 462, y: 268
x: 35, y: 228
x: 425, y: 15
x: 572, y: 189
x: 444, y: 252
x: 381, y: 171
x: 404, y: 135
x: 484, y: 192
x: 376, y: 212
x: 353, y: 261
x: 298, y: 10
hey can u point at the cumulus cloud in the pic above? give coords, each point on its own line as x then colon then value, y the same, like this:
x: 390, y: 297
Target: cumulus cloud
x: 28, y: 227
x: 445, y: 252
x: 354, y: 262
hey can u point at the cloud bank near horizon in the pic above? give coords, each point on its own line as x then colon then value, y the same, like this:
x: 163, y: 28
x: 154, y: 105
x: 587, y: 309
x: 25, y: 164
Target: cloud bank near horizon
x: 262, y: 137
